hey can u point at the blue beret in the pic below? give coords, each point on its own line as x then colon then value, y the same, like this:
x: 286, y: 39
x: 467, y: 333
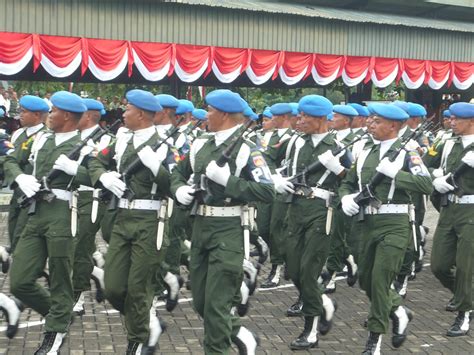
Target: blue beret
x: 2, y: 113
x: 248, y: 111
x: 416, y: 110
x: 315, y: 105
x: 345, y: 110
x: 200, y: 114
x: 389, y: 111
x: 330, y: 117
x: 67, y: 101
x: 34, y: 104
x: 446, y: 114
x: 166, y: 100
x: 361, y: 110
x: 294, y: 108
x: 267, y: 114
x: 281, y: 109
x: 184, y: 106
x: 462, y: 110
x: 143, y: 100
x: 225, y: 100
x: 94, y: 105
x: 401, y: 104
x: 253, y: 116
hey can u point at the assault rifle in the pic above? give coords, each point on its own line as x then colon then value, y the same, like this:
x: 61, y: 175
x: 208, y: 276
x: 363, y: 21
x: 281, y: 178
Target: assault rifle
x: 453, y: 180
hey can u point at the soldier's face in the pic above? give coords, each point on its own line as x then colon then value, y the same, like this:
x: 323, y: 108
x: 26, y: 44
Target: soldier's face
x: 311, y: 124
x: 28, y: 118
x: 340, y: 122
x: 130, y: 117
x: 267, y: 124
x: 56, y: 119
x: 462, y: 126
x: 214, y: 119
x: 447, y: 123
x: 383, y: 129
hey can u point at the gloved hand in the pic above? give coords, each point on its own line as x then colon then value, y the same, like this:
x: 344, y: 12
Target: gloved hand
x: 184, y: 194
x: 111, y: 181
x: 390, y: 169
x: 28, y: 184
x: 412, y: 145
x: 331, y: 162
x: 151, y: 159
x: 217, y: 174
x: 441, y: 185
x: 282, y: 185
x: 349, y: 206
x: 469, y: 159
x: 67, y: 165
x: 437, y: 172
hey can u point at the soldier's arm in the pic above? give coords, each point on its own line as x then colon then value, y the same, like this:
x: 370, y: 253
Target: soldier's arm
x: 417, y: 177
x: 18, y: 158
x: 432, y: 159
x: 180, y: 175
x: 101, y: 163
x: 275, y: 154
x: 349, y: 182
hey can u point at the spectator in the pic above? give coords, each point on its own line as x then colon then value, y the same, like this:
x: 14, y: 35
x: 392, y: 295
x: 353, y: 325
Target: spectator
x: 46, y: 98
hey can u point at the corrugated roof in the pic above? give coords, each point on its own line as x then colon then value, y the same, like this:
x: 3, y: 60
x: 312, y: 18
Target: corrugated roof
x: 334, y: 14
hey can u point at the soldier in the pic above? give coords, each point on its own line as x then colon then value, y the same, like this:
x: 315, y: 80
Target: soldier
x: 135, y: 249
x: 385, y: 227
x: 49, y: 232
x: 217, y: 249
x: 452, y: 254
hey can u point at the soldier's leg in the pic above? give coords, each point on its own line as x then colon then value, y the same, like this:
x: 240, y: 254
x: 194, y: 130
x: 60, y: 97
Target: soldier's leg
x: 198, y: 273
x: 443, y: 255
x: 294, y: 251
x: 264, y: 214
x: 336, y: 250
x: 13, y: 211
x: 464, y: 268
x: 176, y: 234
x: 21, y: 220
x: 367, y: 249
x: 353, y: 238
x: 107, y: 223
x: 278, y: 232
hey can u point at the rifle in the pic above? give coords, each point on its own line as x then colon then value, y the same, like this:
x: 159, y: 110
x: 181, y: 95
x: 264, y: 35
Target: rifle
x: 132, y: 168
x: 299, y: 179
x: 202, y: 193
x: 45, y: 191
x: 367, y: 195
x: 452, y: 180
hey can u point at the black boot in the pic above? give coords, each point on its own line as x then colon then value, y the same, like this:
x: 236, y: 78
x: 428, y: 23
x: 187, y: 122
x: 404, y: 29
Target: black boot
x: 295, y: 309
x: 262, y: 248
x: 173, y: 284
x: 273, y: 279
x: 329, y: 307
x: 78, y: 308
x: 372, y: 347
x: 5, y: 259
x: 400, y: 318
x: 251, y: 271
x: 52, y: 341
x: 309, y: 337
x: 243, y: 306
x: 451, y: 306
x: 331, y: 285
x: 12, y: 309
x: 352, y: 271
x: 246, y: 341
x: 134, y: 348
x: 460, y: 326
x: 98, y: 277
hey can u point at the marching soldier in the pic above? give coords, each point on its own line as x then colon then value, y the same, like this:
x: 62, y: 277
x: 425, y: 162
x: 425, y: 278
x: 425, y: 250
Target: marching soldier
x: 385, y: 228
x: 136, y: 246
x: 453, y: 245
x: 49, y: 232
x: 217, y: 249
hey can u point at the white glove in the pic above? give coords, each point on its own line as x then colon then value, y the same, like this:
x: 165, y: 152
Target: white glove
x: 441, y: 185
x: 437, y: 172
x: 282, y: 185
x: 469, y: 159
x: 111, y: 181
x: 151, y: 159
x: 349, y: 206
x: 331, y: 162
x: 412, y: 145
x: 184, y: 194
x: 67, y: 165
x: 28, y: 184
x: 217, y: 174
x: 389, y: 168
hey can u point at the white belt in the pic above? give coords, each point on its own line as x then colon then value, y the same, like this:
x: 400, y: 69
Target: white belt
x: 62, y: 194
x: 466, y: 199
x: 320, y: 193
x: 139, y: 204
x: 213, y: 211
x: 85, y: 188
x: 387, y: 209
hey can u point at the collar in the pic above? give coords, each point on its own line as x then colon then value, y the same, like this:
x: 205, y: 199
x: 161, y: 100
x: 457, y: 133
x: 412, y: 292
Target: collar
x: 85, y: 133
x: 281, y: 131
x: 142, y: 135
x: 32, y: 130
x: 403, y: 130
x: 318, y: 137
x: 60, y: 138
x: 343, y: 133
x: 466, y: 140
x: 385, y: 145
x: 222, y: 136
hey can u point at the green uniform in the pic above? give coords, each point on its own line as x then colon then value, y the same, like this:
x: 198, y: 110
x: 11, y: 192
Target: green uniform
x: 132, y: 259
x: 453, y: 242
x: 217, y: 242
x: 384, y: 237
x: 47, y: 234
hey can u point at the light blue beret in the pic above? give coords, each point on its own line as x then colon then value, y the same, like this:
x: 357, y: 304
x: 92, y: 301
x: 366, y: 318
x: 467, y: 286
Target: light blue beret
x: 184, y: 106
x: 200, y: 114
x: 345, y: 110
x: 389, y: 111
x: 401, y: 104
x: 267, y: 113
x: 94, y: 105
x: 225, y: 100
x: 462, y: 110
x: 248, y: 111
x: 446, y: 114
x: 330, y: 117
x: 315, y: 105
x: 361, y: 110
x: 281, y: 109
x: 253, y: 116
x: 294, y: 108
x: 34, y: 104
x: 67, y: 101
x: 168, y: 101
x: 416, y: 110
x: 143, y: 100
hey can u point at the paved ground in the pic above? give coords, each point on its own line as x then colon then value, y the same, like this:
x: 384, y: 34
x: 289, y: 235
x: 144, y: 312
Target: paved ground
x: 101, y: 332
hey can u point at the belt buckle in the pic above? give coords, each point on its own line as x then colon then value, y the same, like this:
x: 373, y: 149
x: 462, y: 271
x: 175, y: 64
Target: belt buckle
x: 130, y: 204
x: 206, y: 211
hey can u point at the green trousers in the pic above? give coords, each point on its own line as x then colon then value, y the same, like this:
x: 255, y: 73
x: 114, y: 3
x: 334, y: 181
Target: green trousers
x: 411, y: 254
x: 307, y: 249
x: 384, y: 239
x: 339, y: 250
x: 177, y: 234
x: 216, y: 276
x: 46, y: 235
x: 278, y: 232
x: 264, y: 215
x: 17, y: 218
x: 131, y: 265
x: 452, y: 255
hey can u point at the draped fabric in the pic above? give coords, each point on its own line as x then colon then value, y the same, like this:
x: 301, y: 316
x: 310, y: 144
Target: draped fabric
x: 107, y: 59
